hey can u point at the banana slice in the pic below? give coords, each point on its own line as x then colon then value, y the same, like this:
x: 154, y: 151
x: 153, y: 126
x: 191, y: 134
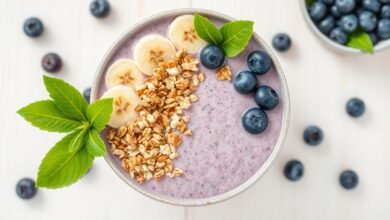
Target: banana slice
x: 125, y: 101
x: 183, y: 35
x: 151, y: 50
x: 124, y: 72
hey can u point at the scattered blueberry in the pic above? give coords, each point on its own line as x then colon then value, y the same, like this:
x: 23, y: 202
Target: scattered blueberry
x: 259, y: 62
x: 326, y: 25
x: 281, y: 42
x: 385, y: 11
x: 349, y: 23
x: 33, y: 27
x: 254, y: 120
x: 87, y: 94
x: 371, y: 5
x: 212, y: 57
x: 266, y: 98
x: 51, y: 62
x: 294, y: 170
x: 384, y: 29
x: 317, y: 11
x: 355, y: 107
x: 334, y: 11
x: 345, y: 6
x: 328, y: 2
x: 26, y: 189
x: 313, y: 135
x: 244, y: 82
x: 99, y: 8
x: 374, y: 37
x: 338, y: 36
x: 349, y: 179
x: 367, y: 21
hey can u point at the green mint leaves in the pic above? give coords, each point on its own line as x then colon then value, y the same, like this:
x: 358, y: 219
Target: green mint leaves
x: 232, y: 37
x: 310, y: 2
x: 68, y: 111
x: 361, y: 40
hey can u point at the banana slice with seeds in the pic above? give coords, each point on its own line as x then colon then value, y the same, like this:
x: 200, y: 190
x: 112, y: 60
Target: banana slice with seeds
x: 183, y: 35
x: 124, y: 72
x: 125, y: 102
x: 151, y: 50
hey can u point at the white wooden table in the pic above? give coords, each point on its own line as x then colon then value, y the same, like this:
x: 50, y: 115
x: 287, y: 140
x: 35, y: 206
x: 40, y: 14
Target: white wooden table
x: 320, y: 82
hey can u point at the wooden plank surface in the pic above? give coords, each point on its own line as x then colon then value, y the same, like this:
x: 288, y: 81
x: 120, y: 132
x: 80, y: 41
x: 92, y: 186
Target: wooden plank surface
x: 320, y: 82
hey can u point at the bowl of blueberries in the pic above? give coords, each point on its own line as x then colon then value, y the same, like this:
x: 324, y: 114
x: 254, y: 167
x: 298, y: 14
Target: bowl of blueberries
x: 349, y: 26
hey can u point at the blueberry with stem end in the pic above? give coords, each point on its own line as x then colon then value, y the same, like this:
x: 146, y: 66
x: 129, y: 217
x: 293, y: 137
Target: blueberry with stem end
x: 313, y: 135
x: 367, y: 21
x: 244, y: 82
x: 212, y: 57
x: 51, y: 63
x: 293, y: 170
x: 349, y: 23
x: 99, y: 8
x: 266, y: 98
x: 25, y: 188
x: 259, y: 62
x: 349, y: 179
x: 254, y: 120
x: 355, y: 107
x: 281, y: 42
x: 33, y: 27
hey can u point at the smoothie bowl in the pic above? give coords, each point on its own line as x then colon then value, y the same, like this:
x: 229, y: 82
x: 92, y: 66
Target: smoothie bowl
x: 183, y: 131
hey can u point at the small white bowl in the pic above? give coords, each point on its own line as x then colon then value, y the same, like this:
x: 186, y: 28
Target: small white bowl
x: 329, y: 43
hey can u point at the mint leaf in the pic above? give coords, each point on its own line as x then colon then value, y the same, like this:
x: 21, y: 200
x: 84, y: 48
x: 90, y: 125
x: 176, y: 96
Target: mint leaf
x: 61, y: 168
x: 99, y: 113
x: 310, y: 2
x: 207, y: 30
x: 79, y: 140
x: 361, y: 40
x: 46, y: 116
x: 236, y: 35
x: 66, y: 97
x: 95, y: 145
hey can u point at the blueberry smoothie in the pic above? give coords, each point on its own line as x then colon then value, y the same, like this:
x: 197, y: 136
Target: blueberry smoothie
x: 220, y: 155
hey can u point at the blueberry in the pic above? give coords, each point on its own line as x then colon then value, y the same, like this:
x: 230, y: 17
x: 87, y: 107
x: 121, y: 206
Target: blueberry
x: 313, y: 135
x: 326, y: 25
x: 281, y: 42
x: 266, y: 98
x: 374, y: 38
x: 33, y: 27
x: 212, y: 57
x: 317, y: 11
x: 349, y: 23
x: 51, y: 62
x: 328, y: 2
x: 371, y: 5
x: 384, y: 29
x: 254, y: 120
x: 26, y: 189
x: 87, y: 94
x: 334, y: 11
x: 355, y: 107
x: 349, y: 179
x: 244, y: 82
x: 338, y: 36
x: 385, y: 11
x: 294, y: 170
x: 345, y: 6
x: 99, y: 8
x: 259, y: 62
x: 367, y: 21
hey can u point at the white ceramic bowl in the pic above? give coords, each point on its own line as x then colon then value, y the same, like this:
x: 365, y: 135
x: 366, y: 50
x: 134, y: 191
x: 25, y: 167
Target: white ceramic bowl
x: 329, y: 43
x: 244, y: 186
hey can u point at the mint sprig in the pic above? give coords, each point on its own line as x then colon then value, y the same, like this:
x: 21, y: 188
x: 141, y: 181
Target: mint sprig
x: 68, y: 111
x: 361, y: 40
x: 232, y: 37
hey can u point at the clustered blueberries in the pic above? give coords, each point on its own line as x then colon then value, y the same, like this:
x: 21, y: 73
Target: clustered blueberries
x: 339, y: 18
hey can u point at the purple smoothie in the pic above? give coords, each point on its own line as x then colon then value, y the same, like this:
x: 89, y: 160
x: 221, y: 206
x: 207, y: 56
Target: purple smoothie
x: 220, y: 155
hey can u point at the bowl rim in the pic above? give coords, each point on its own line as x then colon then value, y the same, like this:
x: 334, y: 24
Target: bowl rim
x: 333, y: 45
x: 261, y: 171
